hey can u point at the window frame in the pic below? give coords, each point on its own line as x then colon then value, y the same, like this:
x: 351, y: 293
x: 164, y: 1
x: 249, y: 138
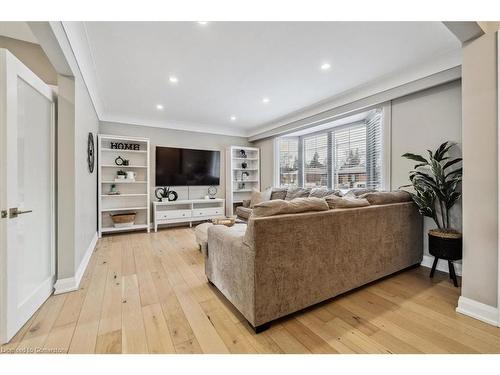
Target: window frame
x: 385, y: 148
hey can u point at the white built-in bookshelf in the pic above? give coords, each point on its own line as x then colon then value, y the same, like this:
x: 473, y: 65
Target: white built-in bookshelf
x: 133, y: 192
x: 241, y: 179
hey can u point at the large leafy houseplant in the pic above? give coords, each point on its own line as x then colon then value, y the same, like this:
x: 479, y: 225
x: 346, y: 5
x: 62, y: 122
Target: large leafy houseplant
x: 436, y: 182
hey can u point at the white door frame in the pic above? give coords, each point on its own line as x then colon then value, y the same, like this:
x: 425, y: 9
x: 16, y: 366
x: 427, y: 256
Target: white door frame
x: 8, y: 96
x: 498, y: 174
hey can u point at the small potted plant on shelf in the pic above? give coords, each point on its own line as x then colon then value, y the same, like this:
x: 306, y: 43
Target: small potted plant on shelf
x: 113, y: 190
x: 436, y: 183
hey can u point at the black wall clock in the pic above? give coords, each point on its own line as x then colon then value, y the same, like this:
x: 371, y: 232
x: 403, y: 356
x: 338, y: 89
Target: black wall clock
x: 90, y: 152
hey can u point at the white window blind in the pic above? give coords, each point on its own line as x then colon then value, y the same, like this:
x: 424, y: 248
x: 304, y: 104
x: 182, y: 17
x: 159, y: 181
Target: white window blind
x: 289, y: 161
x: 374, y: 151
x: 316, y: 161
x: 349, y: 157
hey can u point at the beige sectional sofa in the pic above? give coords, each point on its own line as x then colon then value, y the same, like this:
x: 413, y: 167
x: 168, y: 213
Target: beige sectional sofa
x: 282, y: 264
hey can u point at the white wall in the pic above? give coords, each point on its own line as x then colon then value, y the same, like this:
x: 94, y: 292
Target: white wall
x: 480, y: 183
x: 85, y: 182
x: 267, y: 162
x: 420, y: 121
x: 178, y: 138
x: 423, y: 121
x: 32, y: 56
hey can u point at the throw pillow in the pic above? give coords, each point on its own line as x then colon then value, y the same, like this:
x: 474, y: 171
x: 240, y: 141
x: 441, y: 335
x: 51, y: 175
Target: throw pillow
x: 387, y: 197
x: 297, y: 193
x: 297, y: 205
x: 324, y: 192
x: 278, y: 193
x: 255, y: 198
x: 334, y: 201
x: 266, y: 194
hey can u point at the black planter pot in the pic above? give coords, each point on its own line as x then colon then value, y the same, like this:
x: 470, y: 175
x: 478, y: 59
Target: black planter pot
x: 447, y: 246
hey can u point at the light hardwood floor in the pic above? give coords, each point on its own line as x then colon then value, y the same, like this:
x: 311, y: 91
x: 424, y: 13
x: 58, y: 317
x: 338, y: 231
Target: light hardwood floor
x: 147, y: 293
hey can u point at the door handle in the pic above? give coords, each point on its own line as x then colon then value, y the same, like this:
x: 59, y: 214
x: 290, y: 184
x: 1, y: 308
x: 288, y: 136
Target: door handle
x: 14, y: 212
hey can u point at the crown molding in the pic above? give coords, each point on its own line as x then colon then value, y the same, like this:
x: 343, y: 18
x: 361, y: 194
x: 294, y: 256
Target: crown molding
x: 176, y: 125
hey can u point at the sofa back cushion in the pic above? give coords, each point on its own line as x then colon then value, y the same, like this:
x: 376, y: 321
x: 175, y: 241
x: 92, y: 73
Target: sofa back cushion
x: 360, y: 191
x: 334, y: 201
x: 387, y: 197
x: 281, y: 207
x: 297, y: 193
x: 324, y: 192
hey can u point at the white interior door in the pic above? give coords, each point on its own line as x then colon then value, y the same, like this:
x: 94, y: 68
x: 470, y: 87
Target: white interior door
x: 27, y: 241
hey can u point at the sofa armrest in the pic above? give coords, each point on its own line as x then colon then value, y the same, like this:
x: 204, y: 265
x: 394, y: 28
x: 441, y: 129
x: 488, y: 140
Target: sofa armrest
x: 229, y: 265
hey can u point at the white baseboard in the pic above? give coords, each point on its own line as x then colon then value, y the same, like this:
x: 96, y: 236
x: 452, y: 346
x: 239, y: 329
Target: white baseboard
x: 442, y: 265
x: 73, y: 283
x: 478, y: 310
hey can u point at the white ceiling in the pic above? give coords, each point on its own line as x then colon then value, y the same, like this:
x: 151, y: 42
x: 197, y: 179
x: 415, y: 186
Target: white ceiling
x: 226, y: 68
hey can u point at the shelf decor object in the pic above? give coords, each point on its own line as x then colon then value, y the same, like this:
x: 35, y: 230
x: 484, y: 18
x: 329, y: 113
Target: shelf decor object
x: 124, y: 185
x: 90, y: 152
x: 242, y: 175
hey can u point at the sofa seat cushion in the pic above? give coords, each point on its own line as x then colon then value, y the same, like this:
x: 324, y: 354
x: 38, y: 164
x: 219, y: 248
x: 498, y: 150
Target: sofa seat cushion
x: 387, y: 197
x: 323, y: 192
x: 334, y: 201
x: 281, y: 207
x: 297, y: 193
x: 243, y: 212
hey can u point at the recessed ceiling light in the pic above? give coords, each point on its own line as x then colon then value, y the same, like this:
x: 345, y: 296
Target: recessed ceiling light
x: 265, y: 100
x: 173, y: 79
x: 159, y: 107
x: 325, y: 66
x: 203, y: 23
x: 233, y: 118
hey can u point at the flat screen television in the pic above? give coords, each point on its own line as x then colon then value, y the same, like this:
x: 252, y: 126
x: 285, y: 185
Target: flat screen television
x: 187, y: 167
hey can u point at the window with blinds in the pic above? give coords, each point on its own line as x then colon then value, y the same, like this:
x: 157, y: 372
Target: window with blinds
x: 349, y: 157
x: 344, y: 157
x: 289, y: 161
x: 316, y: 161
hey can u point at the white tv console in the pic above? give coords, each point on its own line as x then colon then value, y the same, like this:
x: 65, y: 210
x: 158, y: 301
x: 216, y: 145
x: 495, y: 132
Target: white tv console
x: 187, y: 211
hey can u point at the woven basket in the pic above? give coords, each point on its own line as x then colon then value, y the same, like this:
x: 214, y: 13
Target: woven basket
x: 121, y: 220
